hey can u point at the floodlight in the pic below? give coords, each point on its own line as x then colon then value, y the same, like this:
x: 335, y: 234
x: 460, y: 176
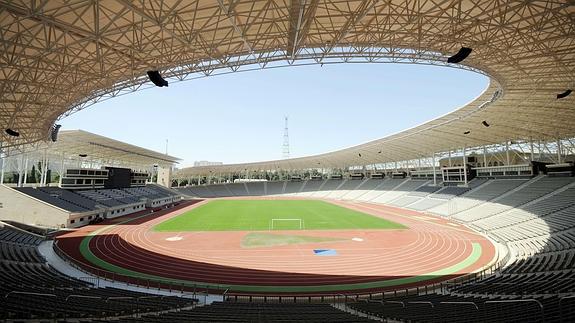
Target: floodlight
x: 54, y: 132
x: 12, y: 133
x: 564, y: 94
x: 157, y: 79
x: 461, y: 55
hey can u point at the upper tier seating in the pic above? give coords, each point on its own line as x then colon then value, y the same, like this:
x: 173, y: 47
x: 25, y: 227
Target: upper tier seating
x: 365, y: 187
x: 237, y: 189
x: 199, y: 191
x: 101, y: 198
x: 220, y: 190
x: 274, y: 188
x: 150, y: 191
x: 91, y: 200
x: 57, y: 200
x: 348, y: 186
x: 312, y: 186
x: 492, y: 189
x: 292, y: 187
x: 256, y: 188
x: 425, y: 190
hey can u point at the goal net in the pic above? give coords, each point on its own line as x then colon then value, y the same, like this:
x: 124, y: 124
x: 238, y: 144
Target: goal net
x: 286, y: 224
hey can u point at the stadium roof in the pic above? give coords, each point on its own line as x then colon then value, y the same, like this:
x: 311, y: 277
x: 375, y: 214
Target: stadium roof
x: 79, y: 144
x: 58, y: 57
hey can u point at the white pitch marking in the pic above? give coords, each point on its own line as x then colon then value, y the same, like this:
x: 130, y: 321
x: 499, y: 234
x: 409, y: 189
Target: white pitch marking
x: 357, y: 239
x: 174, y: 238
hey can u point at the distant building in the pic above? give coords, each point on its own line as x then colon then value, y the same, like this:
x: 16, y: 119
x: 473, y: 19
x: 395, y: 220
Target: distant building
x: 206, y: 163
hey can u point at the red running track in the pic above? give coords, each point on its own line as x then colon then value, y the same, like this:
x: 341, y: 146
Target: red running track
x: 430, y: 244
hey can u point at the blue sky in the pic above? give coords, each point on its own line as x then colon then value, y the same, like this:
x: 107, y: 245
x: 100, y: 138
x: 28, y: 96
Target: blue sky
x: 240, y: 117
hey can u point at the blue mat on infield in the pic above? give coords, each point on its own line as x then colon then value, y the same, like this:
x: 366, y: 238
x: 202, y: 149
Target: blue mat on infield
x: 325, y: 252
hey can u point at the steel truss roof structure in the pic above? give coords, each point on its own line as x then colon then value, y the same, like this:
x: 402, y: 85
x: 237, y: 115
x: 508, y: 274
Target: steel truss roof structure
x: 87, y: 147
x: 58, y: 57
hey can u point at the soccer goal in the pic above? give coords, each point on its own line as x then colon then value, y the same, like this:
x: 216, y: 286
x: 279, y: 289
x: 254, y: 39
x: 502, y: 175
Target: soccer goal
x: 286, y: 224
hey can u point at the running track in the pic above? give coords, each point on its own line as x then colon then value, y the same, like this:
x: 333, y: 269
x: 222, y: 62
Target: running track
x: 432, y: 249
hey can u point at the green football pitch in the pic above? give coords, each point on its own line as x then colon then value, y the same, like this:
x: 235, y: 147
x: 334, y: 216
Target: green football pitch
x: 259, y: 215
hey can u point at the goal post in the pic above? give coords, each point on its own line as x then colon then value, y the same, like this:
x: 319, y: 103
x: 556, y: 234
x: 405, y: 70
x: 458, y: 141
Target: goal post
x: 276, y: 224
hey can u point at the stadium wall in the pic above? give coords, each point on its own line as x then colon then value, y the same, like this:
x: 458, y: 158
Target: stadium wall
x: 165, y: 176
x: 17, y: 206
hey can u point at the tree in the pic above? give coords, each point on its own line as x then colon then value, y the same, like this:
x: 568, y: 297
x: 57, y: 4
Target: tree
x: 48, y: 176
x: 32, y: 176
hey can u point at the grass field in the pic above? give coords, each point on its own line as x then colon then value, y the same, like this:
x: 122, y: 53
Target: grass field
x: 256, y: 215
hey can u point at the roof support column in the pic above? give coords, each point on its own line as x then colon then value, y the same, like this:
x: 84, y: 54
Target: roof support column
x: 507, y: 153
x: 539, y: 148
x: 3, y: 161
x: 484, y: 156
x: 26, y: 171
x: 449, y: 157
x: 558, y: 151
x: 62, y: 170
x: 464, y: 167
x: 531, y: 147
x: 43, y: 170
x: 42, y: 162
x: 434, y: 174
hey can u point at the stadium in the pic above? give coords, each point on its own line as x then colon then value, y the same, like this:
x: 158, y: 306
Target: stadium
x: 468, y: 217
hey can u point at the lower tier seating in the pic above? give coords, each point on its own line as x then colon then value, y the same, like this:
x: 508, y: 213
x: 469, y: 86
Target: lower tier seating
x: 254, y: 312
x: 454, y: 308
x: 32, y: 289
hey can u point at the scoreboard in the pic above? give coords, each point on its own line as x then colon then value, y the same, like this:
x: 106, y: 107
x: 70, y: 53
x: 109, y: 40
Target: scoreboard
x: 118, y: 177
